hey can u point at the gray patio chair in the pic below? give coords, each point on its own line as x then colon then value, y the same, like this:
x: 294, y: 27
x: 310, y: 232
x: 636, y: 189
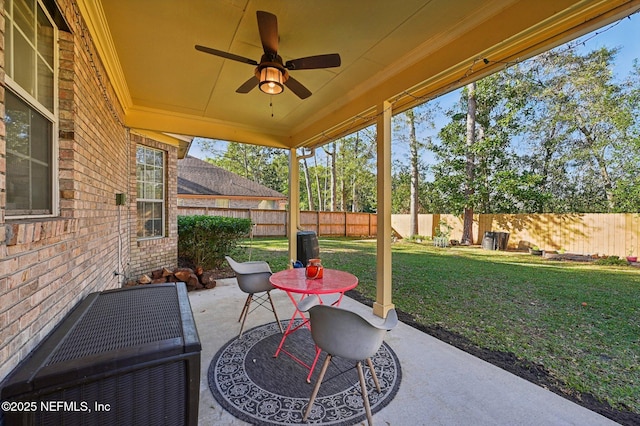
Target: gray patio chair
x: 346, y: 334
x: 253, y: 278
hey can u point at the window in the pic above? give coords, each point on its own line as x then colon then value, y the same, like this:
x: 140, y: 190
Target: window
x: 150, y: 189
x: 30, y: 109
x: 268, y: 205
x: 29, y: 190
x: 221, y: 202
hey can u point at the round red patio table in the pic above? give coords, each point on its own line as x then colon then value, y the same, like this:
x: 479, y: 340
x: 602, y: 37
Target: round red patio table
x: 294, y: 281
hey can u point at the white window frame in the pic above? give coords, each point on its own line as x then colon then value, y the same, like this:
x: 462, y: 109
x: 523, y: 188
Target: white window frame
x: 162, y: 201
x: 32, y: 102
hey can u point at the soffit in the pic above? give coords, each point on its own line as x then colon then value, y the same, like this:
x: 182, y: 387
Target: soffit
x: 403, y: 52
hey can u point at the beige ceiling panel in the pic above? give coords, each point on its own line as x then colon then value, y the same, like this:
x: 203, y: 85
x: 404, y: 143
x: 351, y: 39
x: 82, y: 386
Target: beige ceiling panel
x: 390, y: 50
x: 163, y: 54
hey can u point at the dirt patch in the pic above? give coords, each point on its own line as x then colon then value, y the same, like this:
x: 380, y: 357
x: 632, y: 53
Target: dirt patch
x: 224, y: 272
x: 527, y: 370
x: 568, y: 256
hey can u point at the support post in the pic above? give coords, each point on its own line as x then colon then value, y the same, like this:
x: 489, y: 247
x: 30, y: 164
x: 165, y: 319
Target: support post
x: 383, y: 256
x: 294, y: 204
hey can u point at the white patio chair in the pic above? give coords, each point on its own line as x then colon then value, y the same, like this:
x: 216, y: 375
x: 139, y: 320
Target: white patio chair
x: 253, y: 278
x: 346, y: 334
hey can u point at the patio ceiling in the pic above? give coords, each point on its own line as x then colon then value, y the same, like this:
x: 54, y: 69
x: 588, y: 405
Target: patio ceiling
x: 404, y: 52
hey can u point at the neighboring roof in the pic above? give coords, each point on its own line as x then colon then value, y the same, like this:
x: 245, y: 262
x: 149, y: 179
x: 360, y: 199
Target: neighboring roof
x: 197, y: 177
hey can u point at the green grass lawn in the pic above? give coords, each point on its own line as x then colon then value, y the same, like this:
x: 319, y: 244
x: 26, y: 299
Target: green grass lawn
x: 580, y: 321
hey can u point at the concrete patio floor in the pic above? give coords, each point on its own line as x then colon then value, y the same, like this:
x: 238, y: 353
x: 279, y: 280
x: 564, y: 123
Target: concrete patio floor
x: 441, y: 385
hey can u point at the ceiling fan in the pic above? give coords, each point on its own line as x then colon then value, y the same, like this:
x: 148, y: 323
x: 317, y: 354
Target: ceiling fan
x: 270, y: 73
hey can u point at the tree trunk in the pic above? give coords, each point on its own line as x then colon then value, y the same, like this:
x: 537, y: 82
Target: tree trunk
x: 467, y: 231
x: 354, y: 192
x: 334, y: 182
x: 326, y: 182
x: 415, y: 174
x: 549, y: 149
x: 307, y: 179
x: 320, y: 203
x: 343, y: 201
x: 602, y: 167
x: 343, y: 180
x: 354, y: 195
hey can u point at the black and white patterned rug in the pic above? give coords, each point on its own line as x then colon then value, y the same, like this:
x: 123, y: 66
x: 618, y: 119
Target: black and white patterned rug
x: 251, y: 384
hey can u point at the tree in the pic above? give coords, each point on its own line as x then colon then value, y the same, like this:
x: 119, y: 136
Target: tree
x: 267, y: 166
x: 307, y: 180
x: 627, y: 189
x: 356, y: 180
x: 276, y: 173
x: 331, y: 155
x: 406, y: 129
x: 473, y: 151
x: 582, y: 120
x: 470, y: 166
x: 317, y: 178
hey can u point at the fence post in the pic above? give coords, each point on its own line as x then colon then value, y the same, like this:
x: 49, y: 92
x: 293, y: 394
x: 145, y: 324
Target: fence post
x: 345, y: 223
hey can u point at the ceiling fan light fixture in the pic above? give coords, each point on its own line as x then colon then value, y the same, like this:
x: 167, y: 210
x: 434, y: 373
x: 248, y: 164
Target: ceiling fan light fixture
x: 271, y: 74
x: 271, y: 80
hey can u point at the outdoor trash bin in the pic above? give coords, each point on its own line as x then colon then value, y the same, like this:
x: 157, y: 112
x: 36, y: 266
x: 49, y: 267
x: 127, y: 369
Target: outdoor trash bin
x: 307, y: 246
x: 128, y: 356
x: 502, y: 238
x: 495, y: 240
x: 489, y: 241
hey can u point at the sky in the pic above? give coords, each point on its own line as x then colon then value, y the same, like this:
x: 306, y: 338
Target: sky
x: 624, y: 33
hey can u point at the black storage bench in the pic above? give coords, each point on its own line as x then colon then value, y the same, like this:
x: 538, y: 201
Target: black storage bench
x: 121, y: 357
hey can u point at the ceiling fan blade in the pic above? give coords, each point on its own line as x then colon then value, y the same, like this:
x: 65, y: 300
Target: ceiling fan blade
x: 248, y: 85
x: 226, y: 55
x: 268, y: 27
x: 296, y: 87
x: 314, y: 62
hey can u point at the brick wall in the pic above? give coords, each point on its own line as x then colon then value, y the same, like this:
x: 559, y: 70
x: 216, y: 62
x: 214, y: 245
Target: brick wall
x: 162, y: 251
x: 48, y: 265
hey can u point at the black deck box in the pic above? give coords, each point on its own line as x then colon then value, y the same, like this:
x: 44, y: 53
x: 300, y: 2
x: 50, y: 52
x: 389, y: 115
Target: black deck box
x: 121, y: 357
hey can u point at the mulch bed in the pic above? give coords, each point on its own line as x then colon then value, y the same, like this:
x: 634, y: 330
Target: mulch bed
x: 568, y: 256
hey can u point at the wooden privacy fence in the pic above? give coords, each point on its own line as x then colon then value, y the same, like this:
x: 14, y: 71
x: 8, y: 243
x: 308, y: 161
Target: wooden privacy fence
x: 273, y: 223
x: 584, y: 233
x: 340, y: 223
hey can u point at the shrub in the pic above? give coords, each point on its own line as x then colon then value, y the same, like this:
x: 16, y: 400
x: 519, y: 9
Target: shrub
x: 205, y: 240
x: 612, y: 261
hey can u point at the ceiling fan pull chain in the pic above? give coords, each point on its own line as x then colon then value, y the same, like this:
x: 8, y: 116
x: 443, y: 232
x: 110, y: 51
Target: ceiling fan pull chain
x: 271, y: 104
